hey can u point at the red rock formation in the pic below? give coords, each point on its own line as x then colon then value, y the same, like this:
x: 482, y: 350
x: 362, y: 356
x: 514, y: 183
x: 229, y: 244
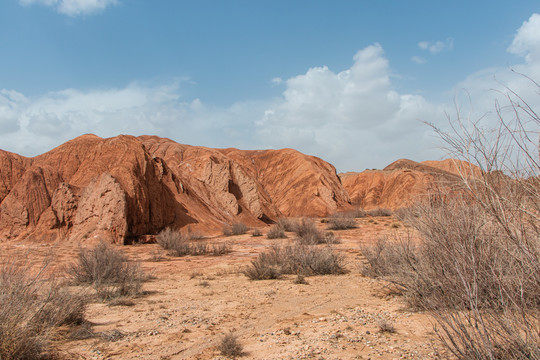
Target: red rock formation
x: 400, y: 183
x: 298, y: 184
x: 91, y: 185
x: 125, y: 187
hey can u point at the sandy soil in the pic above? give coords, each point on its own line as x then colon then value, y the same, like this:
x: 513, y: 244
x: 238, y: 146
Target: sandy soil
x: 193, y: 301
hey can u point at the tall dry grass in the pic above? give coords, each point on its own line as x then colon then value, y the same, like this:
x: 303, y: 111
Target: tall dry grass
x: 476, y: 268
x: 32, y: 307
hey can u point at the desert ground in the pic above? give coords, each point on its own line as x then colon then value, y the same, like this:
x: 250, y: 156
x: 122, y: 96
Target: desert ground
x: 192, y: 302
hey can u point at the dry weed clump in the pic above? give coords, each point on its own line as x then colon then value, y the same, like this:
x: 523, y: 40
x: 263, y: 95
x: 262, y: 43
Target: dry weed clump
x: 235, y: 229
x: 229, y: 346
x: 276, y: 232
x: 380, y: 212
x: 179, y: 244
x: 480, y: 284
x: 308, y: 234
x: 341, y: 221
x: 306, y: 260
x: 108, y: 271
x: 287, y: 224
x: 31, y: 308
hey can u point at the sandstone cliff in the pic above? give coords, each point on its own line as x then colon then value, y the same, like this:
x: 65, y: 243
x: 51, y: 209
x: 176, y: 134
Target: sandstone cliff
x: 126, y: 187
x: 403, y: 182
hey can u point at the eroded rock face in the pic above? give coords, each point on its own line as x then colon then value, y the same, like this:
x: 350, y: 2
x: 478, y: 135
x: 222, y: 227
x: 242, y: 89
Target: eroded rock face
x: 298, y: 184
x: 125, y: 187
x: 401, y: 183
x: 102, y: 208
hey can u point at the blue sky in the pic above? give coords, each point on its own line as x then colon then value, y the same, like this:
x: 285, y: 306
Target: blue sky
x: 348, y: 81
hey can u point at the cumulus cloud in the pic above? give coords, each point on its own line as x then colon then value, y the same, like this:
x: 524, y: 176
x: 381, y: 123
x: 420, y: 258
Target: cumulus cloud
x: 527, y: 40
x: 73, y: 8
x: 354, y: 118
x: 437, y: 46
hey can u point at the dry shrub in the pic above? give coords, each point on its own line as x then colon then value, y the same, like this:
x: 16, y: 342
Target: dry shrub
x: 31, y: 307
x: 357, y: 213
x: 380, y: 212
x: 276, y: 232
x: 481, y: 283
x: 256, y: 232
x: 306, y: 260
x: 490, y: 240
x: 287, y: 224
x: 229, y: 346
x: 108, y: 271
x: 386, y: 326
x: 179, y: 244
x: 308, y: 234
x: 220, y: 249
x: 235, y: 229
x: 168, y: 238
x: 341, y: 221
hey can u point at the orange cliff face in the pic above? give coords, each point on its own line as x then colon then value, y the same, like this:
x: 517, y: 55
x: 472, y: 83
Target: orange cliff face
x: 126, y: 187
x: 403, y: 182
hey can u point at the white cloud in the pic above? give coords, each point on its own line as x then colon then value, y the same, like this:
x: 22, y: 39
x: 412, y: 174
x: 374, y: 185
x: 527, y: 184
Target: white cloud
x: 277, y: 81
x: 418, y: 60
x: 437, y: 46
x: 527, y: 40
x: 73, y: 7
x: 353, y: 118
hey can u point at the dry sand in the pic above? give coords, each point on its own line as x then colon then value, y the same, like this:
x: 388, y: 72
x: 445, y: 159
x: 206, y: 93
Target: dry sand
x: 193, y: 301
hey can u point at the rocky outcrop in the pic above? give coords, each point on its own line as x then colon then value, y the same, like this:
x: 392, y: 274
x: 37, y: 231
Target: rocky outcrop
x: 298, y: 184
x: 126, y: 187
x: 402, y: 183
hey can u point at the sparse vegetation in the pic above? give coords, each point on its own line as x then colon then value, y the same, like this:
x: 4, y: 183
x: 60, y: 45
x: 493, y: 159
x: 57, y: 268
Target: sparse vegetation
x: 276, y: 232
x: 108, y: 271
x: 340, y: 221
x: 179, y: 244
x: 306, y: 260
x: 300, y: 280
x: 235, y: 229
x: 31, y: 308
x: 256, y: 232
x: 386, y: 326
x: 380, y: 212
x: 229, y: 346
x: 287, y: 224
x: 308, y: 234
x: 476, y: 268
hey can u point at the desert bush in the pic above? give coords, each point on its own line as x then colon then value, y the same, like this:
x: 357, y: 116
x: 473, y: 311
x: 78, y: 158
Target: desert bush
x: 306, y: 260
x: 340, y: 221
x: 179, y: 244
x: 235, y: 229
x: 287, y: 224
x: 31, y: 307
x: 308, y: 234
x: 108, y: 271
x: 229, y: 346
x: 276, y: 232
x: 220, y: 249
x: 380, y: 212
x: 256, y: 232
x: 168, y: 238
x: 356, y: 213
x: 476, y: 268
x: 498, y: 265
x: 386, y: 326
